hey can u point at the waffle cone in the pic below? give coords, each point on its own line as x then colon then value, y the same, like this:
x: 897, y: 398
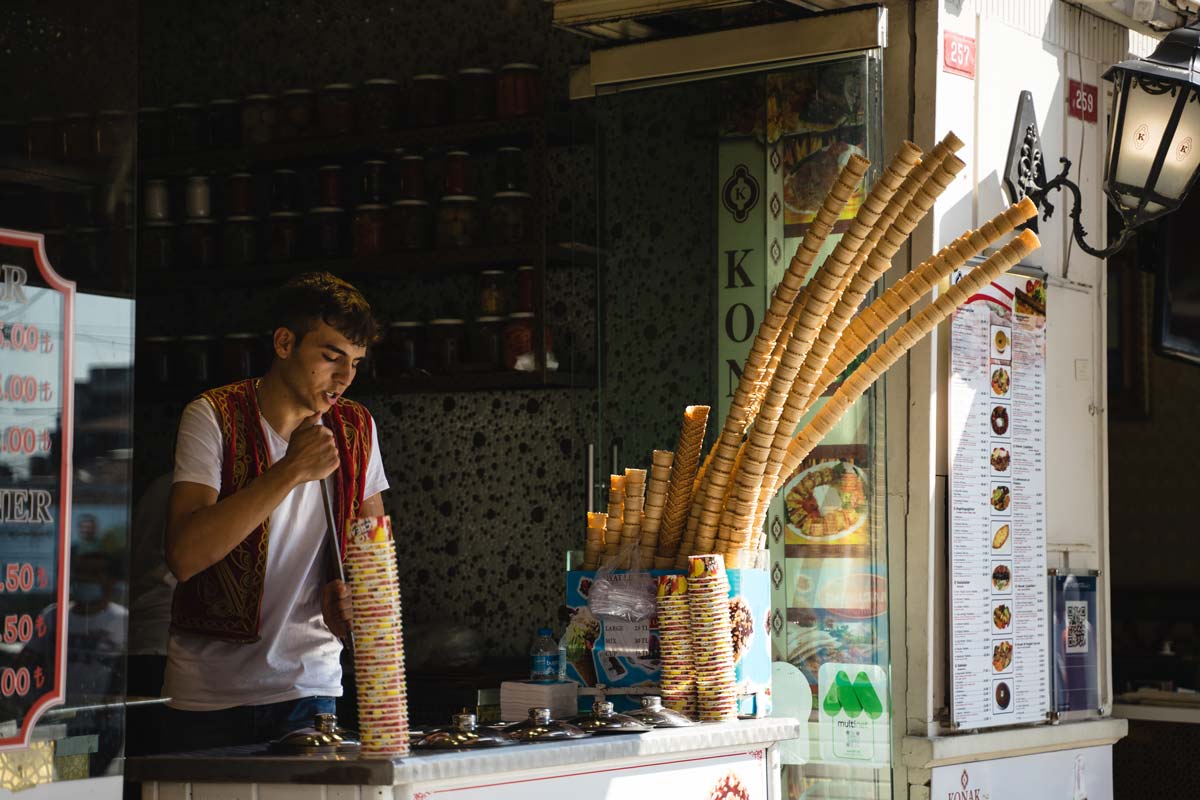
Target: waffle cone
x: 682, y: 481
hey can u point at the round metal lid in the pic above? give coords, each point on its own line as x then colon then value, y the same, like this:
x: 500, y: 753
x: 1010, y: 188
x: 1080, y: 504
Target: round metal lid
x: 540, y: 728
x: 603, y: 720
x: 463, y: 734
x: 653, y: 714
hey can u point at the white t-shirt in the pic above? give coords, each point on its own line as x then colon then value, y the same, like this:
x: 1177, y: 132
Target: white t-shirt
x: 297, y: 655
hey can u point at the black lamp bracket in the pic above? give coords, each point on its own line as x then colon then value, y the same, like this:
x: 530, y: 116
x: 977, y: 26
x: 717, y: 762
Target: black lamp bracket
x: 1061, y: 181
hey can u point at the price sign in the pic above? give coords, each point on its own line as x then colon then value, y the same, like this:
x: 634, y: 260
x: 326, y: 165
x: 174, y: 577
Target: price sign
x: 958, y: 54
x: 1082, y: 100
x: 36, y: 414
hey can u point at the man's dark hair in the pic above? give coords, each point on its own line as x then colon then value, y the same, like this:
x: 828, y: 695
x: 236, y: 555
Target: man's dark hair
x: 313, y: 296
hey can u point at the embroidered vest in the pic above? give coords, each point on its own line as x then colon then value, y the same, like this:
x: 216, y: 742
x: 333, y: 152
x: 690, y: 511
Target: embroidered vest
x: 225, y: 600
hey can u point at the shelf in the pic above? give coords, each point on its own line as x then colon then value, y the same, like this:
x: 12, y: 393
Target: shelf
x: 489, y: 134
x: 50, y: 175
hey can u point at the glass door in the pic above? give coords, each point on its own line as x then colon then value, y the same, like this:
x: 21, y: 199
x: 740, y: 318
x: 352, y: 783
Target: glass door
x: 706, y: 187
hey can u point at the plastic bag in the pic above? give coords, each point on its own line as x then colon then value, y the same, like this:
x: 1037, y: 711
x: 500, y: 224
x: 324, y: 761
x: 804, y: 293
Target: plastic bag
x: 624, y: 602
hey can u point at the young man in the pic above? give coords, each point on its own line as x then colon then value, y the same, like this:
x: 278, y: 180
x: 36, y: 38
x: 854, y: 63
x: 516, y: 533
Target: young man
x: 255, y: 621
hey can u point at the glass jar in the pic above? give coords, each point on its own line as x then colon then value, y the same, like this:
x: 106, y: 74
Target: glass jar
x: 283, y: 236
x: 157, y: 249
x: 412, y: 177
x: 285, y: 190
x: 518, y: 342
x: 187, y: 126
x: 198, y: 198
x: 475, y: 95
x: 372, y: 176
x: 327, y: 231
x: 493, y: 298
x: 196, y: 360
x: 510, y: 217
x: 76, y: 143
x: 238, y: 357
x: 411, y: 225
x: 335, y: 109
x: 198, y: 239
x: 403, y: 346
x: 155, y: 201
x: 524, y: 294
x: 329, y: 185
x: 510, y: 169
x: 259, y: 117
x: 41, y: 139
x: 297, y: 114
x: 446, y: 344
x: 113, y: 129
x: 239, y: 242
x: 456, y: 173
x: 224, y: 124
x: 152, y: 132
x: 379, y: 109
x: 429, y: 100
x: 154, y: 366
x: 239, y: 200
x: 458, y: 221
x: 518, y: 90
x: 487, y: 343
x: 370, y: 230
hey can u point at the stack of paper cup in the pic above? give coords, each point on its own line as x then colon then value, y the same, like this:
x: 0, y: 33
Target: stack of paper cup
x: 675, y: 645
x: 712, y: 642
x: 378, y: 637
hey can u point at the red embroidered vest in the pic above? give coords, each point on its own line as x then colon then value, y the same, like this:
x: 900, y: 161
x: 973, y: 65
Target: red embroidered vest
x: 225, y: 600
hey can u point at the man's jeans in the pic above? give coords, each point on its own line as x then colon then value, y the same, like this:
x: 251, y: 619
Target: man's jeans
x: 184, y: 731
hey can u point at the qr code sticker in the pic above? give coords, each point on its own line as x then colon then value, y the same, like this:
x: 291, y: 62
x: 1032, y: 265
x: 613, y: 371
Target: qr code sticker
x: 1077, y: 626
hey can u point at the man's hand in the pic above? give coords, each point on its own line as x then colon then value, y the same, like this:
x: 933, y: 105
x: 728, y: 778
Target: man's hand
x: 311, y: 453
x: 336, y: 608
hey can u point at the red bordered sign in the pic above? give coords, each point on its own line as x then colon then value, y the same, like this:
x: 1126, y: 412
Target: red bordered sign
x: 26, y: 690
x: 958, y: 54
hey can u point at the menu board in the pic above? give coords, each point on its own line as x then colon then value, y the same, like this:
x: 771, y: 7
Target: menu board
x: 998, y: 591
x: 36, y: 389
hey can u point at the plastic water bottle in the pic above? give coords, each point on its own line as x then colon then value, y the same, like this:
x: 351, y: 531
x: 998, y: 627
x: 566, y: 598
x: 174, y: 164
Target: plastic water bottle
x: 545, y: 657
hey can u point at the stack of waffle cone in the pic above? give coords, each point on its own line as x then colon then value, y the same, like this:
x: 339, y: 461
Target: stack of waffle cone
x: 378, y: 637
x: 678, y: 678
x: 681, y: 483
x: 593, y: 546
x: 656, y: 502
x: 712, y: 639
x: 635, y: 500
x: 687, y: 543
x: 616, y: 516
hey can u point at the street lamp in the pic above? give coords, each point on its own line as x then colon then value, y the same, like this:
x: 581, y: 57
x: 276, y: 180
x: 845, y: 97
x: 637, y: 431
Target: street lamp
x: 1154, y: 149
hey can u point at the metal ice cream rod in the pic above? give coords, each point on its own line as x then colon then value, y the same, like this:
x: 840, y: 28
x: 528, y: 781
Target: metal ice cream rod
x: 334, y: 539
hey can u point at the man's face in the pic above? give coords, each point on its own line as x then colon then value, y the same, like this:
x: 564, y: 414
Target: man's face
x: 320, y: 367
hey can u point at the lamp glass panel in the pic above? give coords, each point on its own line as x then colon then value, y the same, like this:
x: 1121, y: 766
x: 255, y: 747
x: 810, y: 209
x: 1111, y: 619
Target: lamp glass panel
x: 1184, y: 156
x: 1142, y: 127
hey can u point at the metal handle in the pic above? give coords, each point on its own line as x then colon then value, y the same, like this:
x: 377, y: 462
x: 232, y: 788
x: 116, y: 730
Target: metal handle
x: 589, y: 477
x: 616, y: 457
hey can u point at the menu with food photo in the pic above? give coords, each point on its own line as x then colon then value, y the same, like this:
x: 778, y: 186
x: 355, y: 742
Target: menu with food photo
x: 997, y: 506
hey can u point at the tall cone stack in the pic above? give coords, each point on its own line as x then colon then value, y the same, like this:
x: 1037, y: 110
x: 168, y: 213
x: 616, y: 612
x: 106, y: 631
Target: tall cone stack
x: 717, y: 477
x: 616, y: 515
x: 631, y: 522
x: 593, y: 546
x: 905, y: 338
x: 687, y: 544
x: 681, y: 483
x: 818, y: 298
x: 656, y: 501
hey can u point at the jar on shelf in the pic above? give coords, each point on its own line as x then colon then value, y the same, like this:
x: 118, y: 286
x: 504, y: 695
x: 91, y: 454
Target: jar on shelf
x: 493, y: 295
x: 523, y: 297
x: 370, y: 230
x: 487, y: 343
x: 447, y: 338
x: 510, y: 217
x: 456, y: 173
x: 76, y: 143
x: 411, y: 226
x: 327, y: 231
x: 510, y: 169
x: 379, y: 109
x: 429, y: 100
x: 330, y: 185
x: 458, y: 221
x: 239, y: 198
x: 403, y: 346
x: 297, y: 114
x: 518, y: 342
x: 41, y: 139
x: 372, y: 178
x: 283, y: 236
x: 113, y: 129
x: 412, y: 177
x: 198, y: 197
x: 335, y: 109
x: 187, y: 126
x: 238, y: 357
x: 197, y: 357
x: 475, y: 95
x: 198, y: 243
x: 152, y: 132
x: 518, y: 90
x: 285, y: 190
x: 155, y: 201
x: 157, y: 247
x: 239, y: 242
x: 224, y: 124
x: 259, y: 117
x: 155, y: 360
